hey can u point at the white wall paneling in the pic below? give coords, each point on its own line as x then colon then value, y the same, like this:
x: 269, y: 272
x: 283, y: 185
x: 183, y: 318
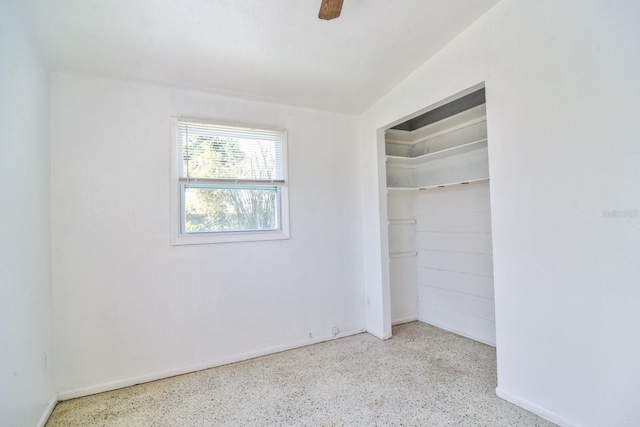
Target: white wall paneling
x: 455, y: 262
x: 458, y: 320
x: 463, y: 262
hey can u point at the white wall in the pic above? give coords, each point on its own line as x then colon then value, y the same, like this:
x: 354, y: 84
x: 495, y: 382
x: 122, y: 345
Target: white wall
x: 26, y: 385
x: 563, y: 95
x: 129, y: 306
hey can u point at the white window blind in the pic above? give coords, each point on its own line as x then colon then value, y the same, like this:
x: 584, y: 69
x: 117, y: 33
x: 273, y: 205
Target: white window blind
x: 211, y: 151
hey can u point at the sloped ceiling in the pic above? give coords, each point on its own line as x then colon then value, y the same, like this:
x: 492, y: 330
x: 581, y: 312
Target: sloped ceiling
x: 276, y: 50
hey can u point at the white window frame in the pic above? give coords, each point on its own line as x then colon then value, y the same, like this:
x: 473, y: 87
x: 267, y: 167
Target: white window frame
x: 180, y: 237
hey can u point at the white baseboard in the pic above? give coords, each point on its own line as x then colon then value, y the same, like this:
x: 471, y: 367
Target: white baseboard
x: 47, y: 412
x: 532, y: 407
x: 457, y: 332
x: 127, y: 382
x: 404, y: 320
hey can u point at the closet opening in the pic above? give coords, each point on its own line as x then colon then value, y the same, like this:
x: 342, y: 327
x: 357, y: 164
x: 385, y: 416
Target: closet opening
x: 439, y: 218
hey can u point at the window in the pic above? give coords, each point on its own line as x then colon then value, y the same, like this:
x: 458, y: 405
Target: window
x: 229, y: 183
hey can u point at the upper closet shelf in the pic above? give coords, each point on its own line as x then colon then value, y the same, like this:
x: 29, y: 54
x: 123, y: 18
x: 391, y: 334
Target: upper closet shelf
x: 437, y: 155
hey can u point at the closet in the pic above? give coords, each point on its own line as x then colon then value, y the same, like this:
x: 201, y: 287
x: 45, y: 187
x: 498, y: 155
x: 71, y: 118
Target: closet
x: 440, y: 255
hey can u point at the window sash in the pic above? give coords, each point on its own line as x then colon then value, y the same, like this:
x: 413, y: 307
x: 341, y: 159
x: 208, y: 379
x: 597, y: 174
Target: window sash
x: 277, y: 214
x: 229, y: 181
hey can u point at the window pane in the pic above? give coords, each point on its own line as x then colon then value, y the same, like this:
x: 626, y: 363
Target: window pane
x: 230, y: 208
x: 209, y: 151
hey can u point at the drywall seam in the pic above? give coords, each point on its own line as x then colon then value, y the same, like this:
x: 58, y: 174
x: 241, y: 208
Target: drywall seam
x: 127, y: 382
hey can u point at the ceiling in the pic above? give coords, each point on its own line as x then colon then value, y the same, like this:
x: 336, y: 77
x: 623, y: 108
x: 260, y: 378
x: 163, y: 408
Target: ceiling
x: 275, y: 50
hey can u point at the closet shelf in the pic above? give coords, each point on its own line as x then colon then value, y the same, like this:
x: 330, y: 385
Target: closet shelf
x: 437, y: 155
x: 431, y: 187
x: 403, y: 255
x: 402, y: 221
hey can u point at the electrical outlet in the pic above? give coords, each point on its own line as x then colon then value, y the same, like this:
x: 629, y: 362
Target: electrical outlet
x: 335, y: 331
x: 310, y: 335
x: 46, y: 361
x: 368, y: 300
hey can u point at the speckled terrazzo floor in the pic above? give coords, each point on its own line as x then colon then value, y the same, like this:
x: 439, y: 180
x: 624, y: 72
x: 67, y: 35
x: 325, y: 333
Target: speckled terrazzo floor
x: 423, y: 376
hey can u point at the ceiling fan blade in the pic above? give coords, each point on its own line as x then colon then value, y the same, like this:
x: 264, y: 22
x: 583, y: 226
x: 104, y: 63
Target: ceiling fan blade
x: 330, y: 9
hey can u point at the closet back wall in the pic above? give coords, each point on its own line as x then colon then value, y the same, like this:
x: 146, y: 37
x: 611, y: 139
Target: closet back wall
x: 129, y: 306
x: 455, y: 262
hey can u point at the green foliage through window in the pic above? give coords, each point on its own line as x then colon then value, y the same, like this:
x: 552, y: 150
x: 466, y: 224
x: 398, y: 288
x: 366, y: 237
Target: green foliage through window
x: 213, y: 209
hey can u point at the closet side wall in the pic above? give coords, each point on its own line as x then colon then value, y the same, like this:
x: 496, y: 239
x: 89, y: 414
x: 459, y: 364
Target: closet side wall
x: 402, y: 261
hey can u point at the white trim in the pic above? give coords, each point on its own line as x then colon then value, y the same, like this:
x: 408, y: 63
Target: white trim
x: 383, y: 336
x: 231, y: 237
x: 533, y: 408
x: 47, y: 412
x: 174, y: 183
x: 404, y: 320
x: 462, y: 333
x: 127, y: 382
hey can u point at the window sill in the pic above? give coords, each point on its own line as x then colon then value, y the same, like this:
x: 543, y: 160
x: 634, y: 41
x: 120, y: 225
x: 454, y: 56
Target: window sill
x: 232, y: 237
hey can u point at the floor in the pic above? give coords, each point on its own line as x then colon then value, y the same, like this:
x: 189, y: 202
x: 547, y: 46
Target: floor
x: 423, y: 376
